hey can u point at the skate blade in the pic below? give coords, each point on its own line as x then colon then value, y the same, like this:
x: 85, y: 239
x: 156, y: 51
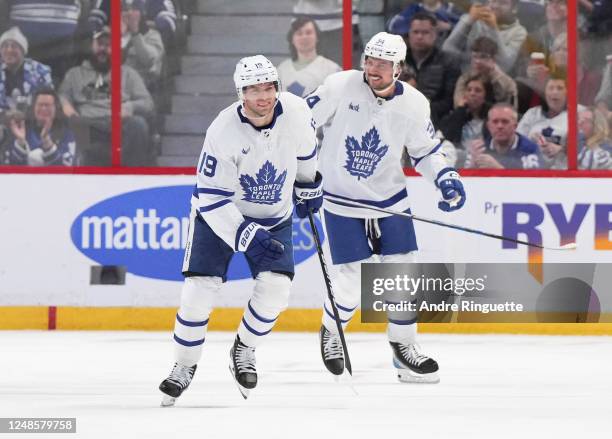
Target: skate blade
x: 346, y: 379
x: 407, y: 376
x: 243, y: 390
x: 168, y: 401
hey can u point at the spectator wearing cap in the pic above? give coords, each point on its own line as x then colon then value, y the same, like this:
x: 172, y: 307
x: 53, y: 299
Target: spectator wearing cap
x: 496, y: 20
x: 505, y: 148
x: 50, y: 27
x: 436, y: 71
x: 86, y: 90
x: 19, y: 76
x: 483, y: 63
x: 446, y: 13
x: 143, y: 48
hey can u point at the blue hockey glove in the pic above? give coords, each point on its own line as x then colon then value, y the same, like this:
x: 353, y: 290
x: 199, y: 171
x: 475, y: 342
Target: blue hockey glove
x: 308, y: 196
x: 258, y: 244
x: 453, y: 193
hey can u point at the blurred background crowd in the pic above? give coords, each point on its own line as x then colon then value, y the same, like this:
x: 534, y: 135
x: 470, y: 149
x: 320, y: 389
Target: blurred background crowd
x: 495, y: 72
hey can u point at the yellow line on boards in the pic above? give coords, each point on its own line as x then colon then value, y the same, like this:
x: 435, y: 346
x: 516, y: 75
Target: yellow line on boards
x: 227, y: 319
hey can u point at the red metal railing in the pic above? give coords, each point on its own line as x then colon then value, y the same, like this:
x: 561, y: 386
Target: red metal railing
x: 347, y: 46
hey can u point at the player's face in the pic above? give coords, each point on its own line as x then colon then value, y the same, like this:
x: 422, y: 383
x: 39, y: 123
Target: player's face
x: 379, y: 73
x: 556, y: 94
x: 501, y: 124
x: 305, y: 38
x: 259, y: 99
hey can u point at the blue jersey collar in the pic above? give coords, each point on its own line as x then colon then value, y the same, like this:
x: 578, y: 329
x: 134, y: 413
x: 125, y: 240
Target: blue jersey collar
x: 278, y: 110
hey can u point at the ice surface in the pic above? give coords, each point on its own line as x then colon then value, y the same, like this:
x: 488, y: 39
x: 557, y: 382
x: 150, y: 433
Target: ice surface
x: 491, y: 387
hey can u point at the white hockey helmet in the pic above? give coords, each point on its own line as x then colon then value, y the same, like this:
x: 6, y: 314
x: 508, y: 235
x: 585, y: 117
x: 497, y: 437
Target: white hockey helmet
x: 253, y: 70
x: 388, y: 47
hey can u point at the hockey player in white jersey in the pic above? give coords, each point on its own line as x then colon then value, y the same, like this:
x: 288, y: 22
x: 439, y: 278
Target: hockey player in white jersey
x: 368, y: 118
x: 259, y: 155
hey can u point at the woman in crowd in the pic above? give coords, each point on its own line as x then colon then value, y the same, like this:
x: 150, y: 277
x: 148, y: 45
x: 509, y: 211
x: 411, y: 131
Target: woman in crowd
x: 594, y: 148
x: 42, y: 136
x: 546, y: 124
x: 465, y: 123
x: 306, y: 69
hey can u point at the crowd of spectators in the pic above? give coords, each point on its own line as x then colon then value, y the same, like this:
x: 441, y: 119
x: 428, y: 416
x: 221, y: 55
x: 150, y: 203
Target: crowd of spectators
x: 55, y: 80
x: 495, y: 72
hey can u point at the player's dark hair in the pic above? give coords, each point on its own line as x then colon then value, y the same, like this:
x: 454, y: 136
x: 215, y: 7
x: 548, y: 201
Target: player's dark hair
x: 296, y: 25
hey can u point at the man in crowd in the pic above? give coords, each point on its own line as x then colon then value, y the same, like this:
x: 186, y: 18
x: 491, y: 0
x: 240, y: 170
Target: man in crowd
x: 86, y: 90
x: 506, y: 149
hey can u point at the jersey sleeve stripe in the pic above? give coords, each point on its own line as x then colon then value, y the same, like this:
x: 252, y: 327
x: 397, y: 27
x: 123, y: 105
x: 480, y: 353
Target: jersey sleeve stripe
x: 416, y: 160
x: 214, y: 205
x: 384, y: 203
x: 212, y: 191
x: 311, y: 155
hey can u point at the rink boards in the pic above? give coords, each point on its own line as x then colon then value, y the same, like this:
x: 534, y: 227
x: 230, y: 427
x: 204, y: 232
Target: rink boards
x: 55, y: 228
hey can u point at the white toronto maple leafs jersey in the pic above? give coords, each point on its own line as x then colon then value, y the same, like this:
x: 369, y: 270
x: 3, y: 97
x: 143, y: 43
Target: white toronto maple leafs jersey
x: 364, y: 138
x: 247, y: 173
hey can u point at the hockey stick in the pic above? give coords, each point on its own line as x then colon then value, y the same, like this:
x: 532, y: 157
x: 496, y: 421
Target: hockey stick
x: 351, y: 203
x: 330, y: 294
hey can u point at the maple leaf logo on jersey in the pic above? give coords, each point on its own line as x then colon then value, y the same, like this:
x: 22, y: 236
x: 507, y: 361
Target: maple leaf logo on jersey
x: 265, y: 188
x: 362, y: 158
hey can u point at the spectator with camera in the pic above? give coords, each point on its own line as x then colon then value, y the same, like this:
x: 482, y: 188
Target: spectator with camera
x: 484, y: 51
x: 42, y: 136
x: 87, y: 94
x: 495, y: 19
x: 19, y: 76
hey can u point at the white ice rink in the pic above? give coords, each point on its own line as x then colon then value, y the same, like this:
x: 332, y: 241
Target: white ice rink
x: 494, y: 386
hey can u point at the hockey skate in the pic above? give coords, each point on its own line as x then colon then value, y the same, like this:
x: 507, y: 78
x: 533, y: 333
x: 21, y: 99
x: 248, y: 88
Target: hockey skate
x: 242, y: 367
x: 176, y: 383
x: 412, y: 366
x: 331, y: 351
